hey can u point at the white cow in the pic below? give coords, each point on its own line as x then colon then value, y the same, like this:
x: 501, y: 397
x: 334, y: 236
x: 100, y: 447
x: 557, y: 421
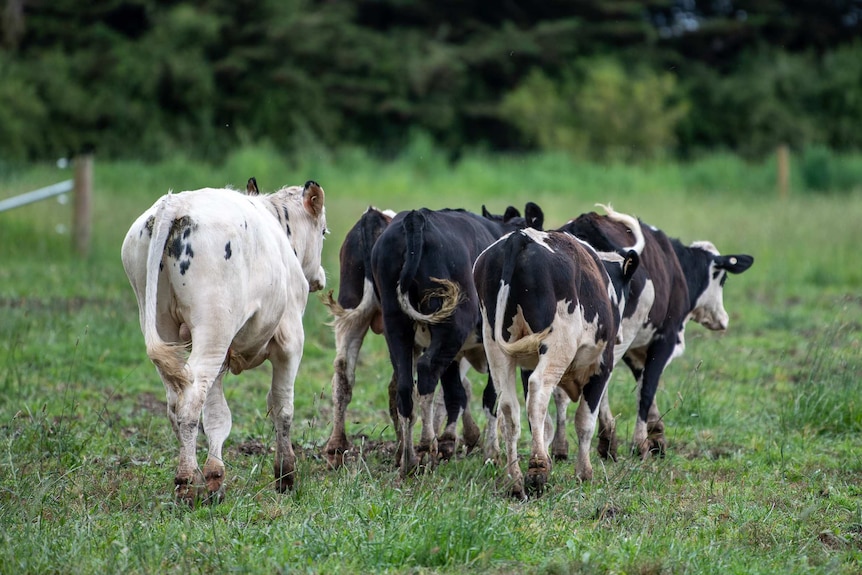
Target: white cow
x: 222, y: 281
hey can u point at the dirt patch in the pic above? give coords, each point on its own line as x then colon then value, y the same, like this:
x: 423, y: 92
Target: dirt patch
x: 360, y: 447
x: 150, y: 403
x: 253, y: 447
x: 832, y: 541
x: 711, y: 452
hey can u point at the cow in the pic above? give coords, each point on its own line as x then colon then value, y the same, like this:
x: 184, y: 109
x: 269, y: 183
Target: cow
x: 222, y: 281
x: 357, y: 310
x: 674, y: 283
x: 422, y: 264
x: 551, y: 304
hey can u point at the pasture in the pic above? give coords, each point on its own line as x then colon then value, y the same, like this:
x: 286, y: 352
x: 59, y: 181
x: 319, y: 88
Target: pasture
x: 764, y: 423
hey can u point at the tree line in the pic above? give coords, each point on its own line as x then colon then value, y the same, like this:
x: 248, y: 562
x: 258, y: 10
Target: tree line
x: 601, y: 79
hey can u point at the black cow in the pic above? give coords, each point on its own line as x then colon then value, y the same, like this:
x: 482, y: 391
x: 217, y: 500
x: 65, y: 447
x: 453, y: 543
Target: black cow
x: 551, y: 304
x: 422, y: 266
x: 674, y: 283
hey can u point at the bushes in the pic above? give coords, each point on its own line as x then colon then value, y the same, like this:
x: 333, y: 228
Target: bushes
x: 821, y: 170
x: 598, y: 110
x: 146, y: 79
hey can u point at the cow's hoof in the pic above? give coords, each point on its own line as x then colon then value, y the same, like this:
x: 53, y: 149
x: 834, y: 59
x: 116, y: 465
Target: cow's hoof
x: 284, y: 483
x: 537, y: 477
x: 607, y: 448
x: 411, y: 467
x: 536, y: 481
x: 472, y: 436
x: 560, y: 455
x: 190, y: 490
x: 514, y: 486
x: 334, y: 456
x: 215, y: 486
x: 585, y: 474
x: 656, y: 440
x: 657, y: 446
x: 215, y: 497
x: 446, y: 447
x: 285, y: 475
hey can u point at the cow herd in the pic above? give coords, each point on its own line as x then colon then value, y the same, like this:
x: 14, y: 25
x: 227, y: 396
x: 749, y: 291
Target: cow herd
x: 222, y: 280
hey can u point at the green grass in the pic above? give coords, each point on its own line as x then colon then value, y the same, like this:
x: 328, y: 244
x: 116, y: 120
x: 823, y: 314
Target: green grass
x: 764, y: 423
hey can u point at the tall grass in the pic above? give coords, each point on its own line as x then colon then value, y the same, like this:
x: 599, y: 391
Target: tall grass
x: 762, y: 473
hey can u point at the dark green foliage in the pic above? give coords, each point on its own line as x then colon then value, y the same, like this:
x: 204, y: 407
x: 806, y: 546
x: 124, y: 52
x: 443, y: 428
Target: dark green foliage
x: 151, y: 78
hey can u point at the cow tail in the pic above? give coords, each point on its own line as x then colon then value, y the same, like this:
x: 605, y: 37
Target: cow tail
x: 449, y: 291
x: 167, y: 357
x: 528, y: 344
x: 632, y: 223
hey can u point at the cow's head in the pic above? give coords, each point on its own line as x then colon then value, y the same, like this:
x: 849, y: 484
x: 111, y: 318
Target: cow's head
x: 301, y: 211
x: 313, y: 200
x: 708, y: 307
x: 620, y: 266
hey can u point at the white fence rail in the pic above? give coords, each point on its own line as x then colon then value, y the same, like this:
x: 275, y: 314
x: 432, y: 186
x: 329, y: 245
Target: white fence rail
x: 37, y: 195
x: 82, y: 190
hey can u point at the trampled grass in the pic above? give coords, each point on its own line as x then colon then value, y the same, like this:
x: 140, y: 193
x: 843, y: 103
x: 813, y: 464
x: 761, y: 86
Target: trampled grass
x: 764, y: 422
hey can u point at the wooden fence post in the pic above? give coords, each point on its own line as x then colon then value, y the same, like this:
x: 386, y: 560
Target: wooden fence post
x: 83, y: 196
x: 783, y: 168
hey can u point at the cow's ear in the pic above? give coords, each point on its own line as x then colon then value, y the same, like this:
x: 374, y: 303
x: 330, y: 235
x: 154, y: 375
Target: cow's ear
x: 511, y: 212
x: 735, y: 264
x: 534, y: 215
x: 251, y: 187
x: 312, y: 198
x: 630, y: 265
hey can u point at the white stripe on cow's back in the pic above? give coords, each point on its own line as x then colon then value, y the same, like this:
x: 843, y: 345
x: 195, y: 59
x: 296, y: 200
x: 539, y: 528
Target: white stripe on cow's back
x: 539, y: 237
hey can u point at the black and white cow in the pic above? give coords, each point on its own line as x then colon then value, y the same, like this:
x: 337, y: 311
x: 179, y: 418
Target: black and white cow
x: 673, y: 284
x: 422, y: 267
x: 551, y: 304
x: 222, y: 281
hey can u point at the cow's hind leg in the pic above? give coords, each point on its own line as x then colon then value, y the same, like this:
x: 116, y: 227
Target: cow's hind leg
x: 560, y: 443
x: 491, y: 444
x: 285, y: 360
x: 348, y: 341
x: 217, y: 425
x: 472, y: 433
x: 658, y: 356
x: 455, y: 401
x: 399, y: 338
x: 501, y: 370
x: 554, y: 433
x: 542, y: 382
x: 185, y: 406
x: 607, y: 446
x: 585, y: 418
x: 438, y: 358
x: 655, y: 431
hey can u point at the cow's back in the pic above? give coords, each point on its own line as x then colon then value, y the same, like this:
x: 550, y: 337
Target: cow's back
x: 658, y: 265
x: 557, y: 272
x: 451, y: 242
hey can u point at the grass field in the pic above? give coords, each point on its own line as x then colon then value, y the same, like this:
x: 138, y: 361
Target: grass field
x: 764, y: 423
